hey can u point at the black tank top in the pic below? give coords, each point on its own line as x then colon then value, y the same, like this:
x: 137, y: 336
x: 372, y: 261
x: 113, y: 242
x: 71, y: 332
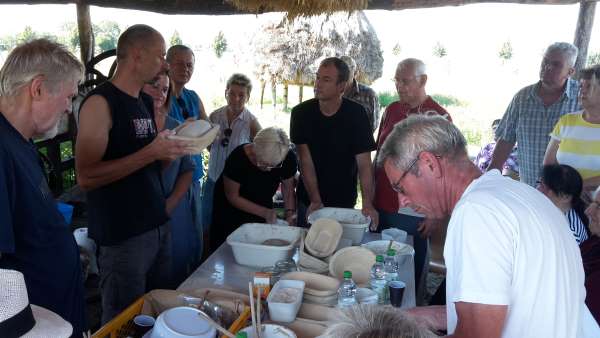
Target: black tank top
x: 134, y: 204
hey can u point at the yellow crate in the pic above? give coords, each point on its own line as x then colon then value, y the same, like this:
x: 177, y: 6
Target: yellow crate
x: 122, y: 325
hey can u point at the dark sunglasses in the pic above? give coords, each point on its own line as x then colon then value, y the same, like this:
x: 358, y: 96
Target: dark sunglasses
x: 227, y: 132
x: 184, y: 111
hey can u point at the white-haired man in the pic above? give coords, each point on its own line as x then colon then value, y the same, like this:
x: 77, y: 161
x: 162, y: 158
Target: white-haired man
x: 410, y: 80
x: 37, y: 84
x: 361, y: 93
x: 534, y: 111
x: 513, y: 269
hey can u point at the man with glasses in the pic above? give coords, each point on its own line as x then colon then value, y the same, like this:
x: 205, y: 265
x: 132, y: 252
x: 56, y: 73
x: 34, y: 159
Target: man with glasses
x: 334, y: 142
x: 187, y: 104
x: 513, y: 268
x: 410, y: 80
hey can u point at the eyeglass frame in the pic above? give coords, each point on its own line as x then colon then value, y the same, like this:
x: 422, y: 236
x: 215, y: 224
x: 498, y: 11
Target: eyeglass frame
x: 396, y: 185
x: 225, y: 141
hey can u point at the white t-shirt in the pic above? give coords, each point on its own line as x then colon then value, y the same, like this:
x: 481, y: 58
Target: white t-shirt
x: 507, y: 244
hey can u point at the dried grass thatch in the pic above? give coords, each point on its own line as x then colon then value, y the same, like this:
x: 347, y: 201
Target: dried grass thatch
x: 290, y: 52
x: 298, y: 8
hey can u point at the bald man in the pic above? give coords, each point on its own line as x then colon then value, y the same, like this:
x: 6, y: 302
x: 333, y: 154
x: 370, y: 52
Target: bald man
x: 119, y: 154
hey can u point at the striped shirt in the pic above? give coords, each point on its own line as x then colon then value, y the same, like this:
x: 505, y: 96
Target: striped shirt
x: 528, y: 123
x: 579, y: 145
x: 240, y: 133
x: 577, y: 226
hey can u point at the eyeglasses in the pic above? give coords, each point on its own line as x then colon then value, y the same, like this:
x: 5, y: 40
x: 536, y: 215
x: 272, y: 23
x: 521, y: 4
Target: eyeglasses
x: 396, y: 186
x: 184, y: 112
x: 225, y: 141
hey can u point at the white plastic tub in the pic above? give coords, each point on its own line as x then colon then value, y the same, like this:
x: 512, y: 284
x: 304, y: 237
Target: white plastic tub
x: 353, y: 222
x: 246, y: 243
x: 285, y: 311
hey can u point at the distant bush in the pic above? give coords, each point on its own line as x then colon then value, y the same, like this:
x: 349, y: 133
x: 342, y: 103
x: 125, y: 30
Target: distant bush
x: 472, y: 136
x: 386, y: 98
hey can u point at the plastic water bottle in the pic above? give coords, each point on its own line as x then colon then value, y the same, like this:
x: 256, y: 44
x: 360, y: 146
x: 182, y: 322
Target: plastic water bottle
x: 378, y: 282
x: 391, y: 266
x: 347, y: 291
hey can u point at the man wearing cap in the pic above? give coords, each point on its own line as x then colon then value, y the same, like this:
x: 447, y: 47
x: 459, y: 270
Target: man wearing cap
x: 513, y: 268
x: 118, y: 160
x: 37, y: 83
x: 334, y: 143
x: 361, y: 93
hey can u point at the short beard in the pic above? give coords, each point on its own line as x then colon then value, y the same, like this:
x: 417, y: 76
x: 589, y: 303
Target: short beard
x: 49, y: 134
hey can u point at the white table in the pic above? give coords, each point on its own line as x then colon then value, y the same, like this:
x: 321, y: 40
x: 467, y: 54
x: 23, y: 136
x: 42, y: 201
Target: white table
x: 221, y: 271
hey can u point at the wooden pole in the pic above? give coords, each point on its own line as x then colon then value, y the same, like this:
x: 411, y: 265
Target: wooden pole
x: 285, y: 96
x: 86, y: 33
x: 583, y: 32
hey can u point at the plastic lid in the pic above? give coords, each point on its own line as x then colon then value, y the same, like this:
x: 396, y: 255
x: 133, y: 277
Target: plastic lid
x: 241, y: 335
x: 379, y: 258
x: 347, y: 274
x: 391, y: 252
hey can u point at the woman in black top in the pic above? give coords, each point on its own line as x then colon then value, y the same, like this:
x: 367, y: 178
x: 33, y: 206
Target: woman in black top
x: 244, y: 191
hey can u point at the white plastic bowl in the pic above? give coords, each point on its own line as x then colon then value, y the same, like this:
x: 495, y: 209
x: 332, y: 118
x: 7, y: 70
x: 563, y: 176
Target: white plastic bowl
x: 271, y: 331
x: 394, y: 234
x: 281, y: 311
x: 353, y: 222
x: 246, y: 243
x: 182, y: 322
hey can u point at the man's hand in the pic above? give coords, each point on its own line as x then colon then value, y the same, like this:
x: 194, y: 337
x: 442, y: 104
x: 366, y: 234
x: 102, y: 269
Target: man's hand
x: 433, y: 317
x: 166, y: 149
x: 270, y: 216
x: 368, y: 210
x: 312, y: 207
x: 429, y: 225
x: 291, y: 219
x: 170, y: 205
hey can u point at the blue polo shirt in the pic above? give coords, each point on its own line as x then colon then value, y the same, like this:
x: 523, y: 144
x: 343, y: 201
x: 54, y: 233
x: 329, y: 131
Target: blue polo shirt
x: 190, y: 102
x: 34, y: 238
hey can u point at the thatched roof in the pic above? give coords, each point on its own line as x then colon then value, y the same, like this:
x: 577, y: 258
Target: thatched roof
x: 290, y: 52
x: 228, y: 6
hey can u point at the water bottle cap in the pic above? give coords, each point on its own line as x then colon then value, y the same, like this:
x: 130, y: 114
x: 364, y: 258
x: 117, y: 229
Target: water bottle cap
x: 379, y: 258
x: 347, y: 274
x: 391, y: 252
x: 241, y: 335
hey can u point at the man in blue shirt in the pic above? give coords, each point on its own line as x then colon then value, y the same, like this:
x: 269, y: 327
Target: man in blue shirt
x: 38, y: 81
x: 187, y: 104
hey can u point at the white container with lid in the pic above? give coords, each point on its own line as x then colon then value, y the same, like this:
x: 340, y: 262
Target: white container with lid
x: 285, y: 300
x: 247, y: 243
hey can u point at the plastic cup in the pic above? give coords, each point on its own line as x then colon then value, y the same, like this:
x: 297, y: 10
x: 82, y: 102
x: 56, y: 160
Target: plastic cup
x: 142, y: 324
x: 396, y: 292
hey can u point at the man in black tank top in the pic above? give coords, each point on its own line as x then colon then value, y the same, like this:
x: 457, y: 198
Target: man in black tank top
x: 118, y: 160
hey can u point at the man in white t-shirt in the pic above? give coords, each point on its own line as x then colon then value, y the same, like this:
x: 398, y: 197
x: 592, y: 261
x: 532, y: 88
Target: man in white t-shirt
x: 513, y: 269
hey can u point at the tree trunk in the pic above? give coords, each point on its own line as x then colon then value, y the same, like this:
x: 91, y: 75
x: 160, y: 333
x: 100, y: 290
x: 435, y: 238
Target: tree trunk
x: 300, y: 93
x: 274, y: 93
x: 583, y: 33
x: 86, y: 33
x: 263, y: 84
x: 285, y: 96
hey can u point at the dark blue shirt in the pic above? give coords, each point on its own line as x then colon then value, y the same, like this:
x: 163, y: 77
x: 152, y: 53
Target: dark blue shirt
x: 34, y: 238
x: 185, y: 106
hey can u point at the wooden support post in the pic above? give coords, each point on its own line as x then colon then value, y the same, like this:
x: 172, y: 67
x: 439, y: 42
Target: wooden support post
x: 262, y: 93
x: 285, y: 96
x: 583, y: 33
x: 274, y: 93
x: 86, y: 33
x: 300, y: 93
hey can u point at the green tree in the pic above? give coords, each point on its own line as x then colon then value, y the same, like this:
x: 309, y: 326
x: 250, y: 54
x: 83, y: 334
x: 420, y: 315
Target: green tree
x: 26, y: 35
x: 106, y: 35
x: 593, y: 59
x: 397, y: 49
x: 506, y: 51
x: 176, y: 39
x: 219, y: 44
x: 439, y: 50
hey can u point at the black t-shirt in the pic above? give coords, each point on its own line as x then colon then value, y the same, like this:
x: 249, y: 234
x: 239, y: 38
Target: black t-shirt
x: 34, y: 238
x: 134, y: 204
x: 333, y: 141
x: 255, y: 185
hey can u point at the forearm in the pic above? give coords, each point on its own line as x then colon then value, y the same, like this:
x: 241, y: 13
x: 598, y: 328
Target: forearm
x: 501, y: 152
x: 309, y: 175
x: 248, y: 206
x: 289, y: 196
x: 365, y: 175
x: 101, y: 173
x: 181, y: 187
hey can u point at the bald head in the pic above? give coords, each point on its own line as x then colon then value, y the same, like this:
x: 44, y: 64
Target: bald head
x: 135, y: 36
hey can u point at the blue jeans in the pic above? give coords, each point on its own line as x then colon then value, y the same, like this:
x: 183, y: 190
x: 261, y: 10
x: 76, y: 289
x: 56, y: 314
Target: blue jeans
x: 208, y: 190
x: 409, y: 224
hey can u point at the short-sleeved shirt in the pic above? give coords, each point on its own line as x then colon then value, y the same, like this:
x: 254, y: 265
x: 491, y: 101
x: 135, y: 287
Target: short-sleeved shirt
x: 256, y: 185
x: 386, y: 198
x: 507, y: 244
x: 34, y: 237
x: 366, y: 96
x: 577, y: 227
x: 240, y: 134
x: 191, y: 106
x: 484, y: 157
x: 579, y: 144
x: 528, y: 122
x: 333, y: 142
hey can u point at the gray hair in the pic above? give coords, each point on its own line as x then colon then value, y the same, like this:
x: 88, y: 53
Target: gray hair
x: 416, y: 64
x: 239, y: 80
x: 371, y: 321
x: 177, y: 49
x: 569, y: 50
x: 418, y: 133
x: 271, y: 145
x: 351, y: 64
x: 40, y: 57
x: 134, y: 36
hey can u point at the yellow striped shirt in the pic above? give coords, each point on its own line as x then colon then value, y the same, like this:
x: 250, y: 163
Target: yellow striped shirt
x: 579, y: 144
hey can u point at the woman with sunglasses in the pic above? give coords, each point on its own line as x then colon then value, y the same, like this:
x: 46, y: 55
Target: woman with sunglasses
x: 238, y: 126
x: 252, y: 173
x: 177, y: 178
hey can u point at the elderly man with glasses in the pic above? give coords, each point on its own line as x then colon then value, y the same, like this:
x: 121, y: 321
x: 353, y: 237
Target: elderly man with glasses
x: 513, y: 269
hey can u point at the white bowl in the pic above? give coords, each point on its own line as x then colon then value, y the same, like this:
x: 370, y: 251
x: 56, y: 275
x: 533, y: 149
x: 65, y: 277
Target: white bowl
x: 357, y: 259
x: 194, y: 128
x: 354, y: 223
x: 182, y: 322
x: 394, y: 234
x: 248, y: 248
x: 271, y: 331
